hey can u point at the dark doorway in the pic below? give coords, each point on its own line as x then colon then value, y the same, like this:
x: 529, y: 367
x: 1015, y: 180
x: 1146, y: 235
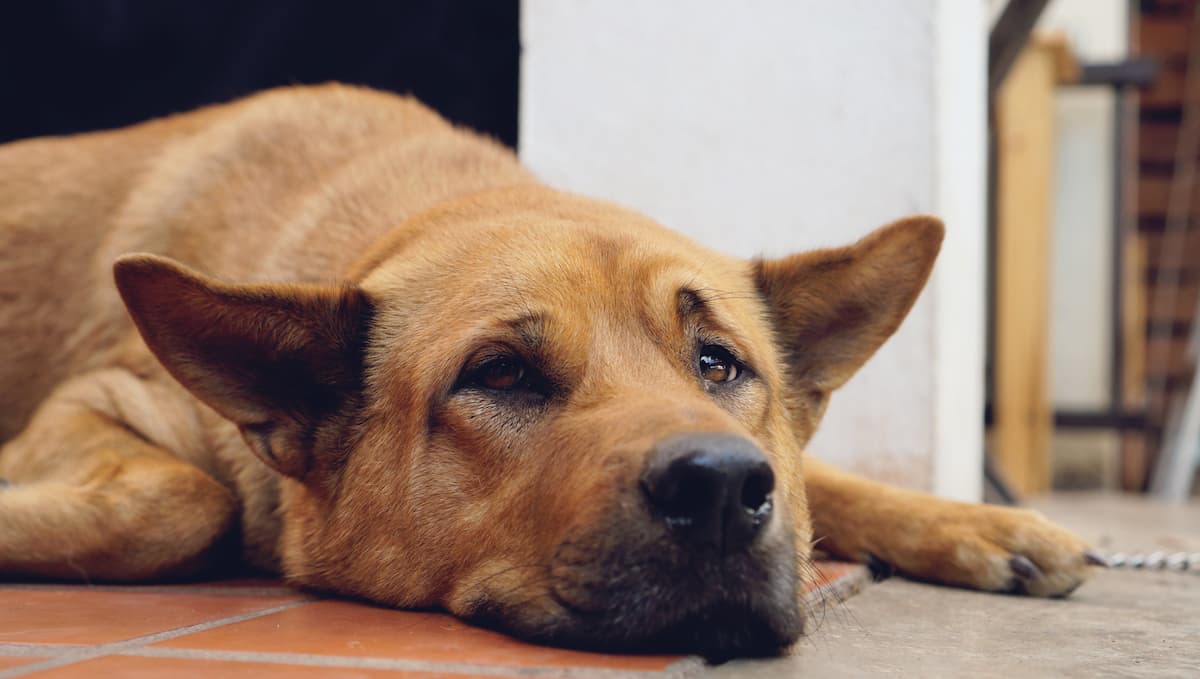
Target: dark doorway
x: 76, y: 65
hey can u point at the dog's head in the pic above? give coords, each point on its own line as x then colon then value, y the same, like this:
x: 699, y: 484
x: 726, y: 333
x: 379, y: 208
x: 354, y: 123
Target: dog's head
x: 545, y: 413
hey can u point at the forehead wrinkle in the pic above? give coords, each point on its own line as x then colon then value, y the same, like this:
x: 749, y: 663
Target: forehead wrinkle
x: 529, y: 329
x: 558, y: 348
x: 700, y: 305
x: 690, y: 303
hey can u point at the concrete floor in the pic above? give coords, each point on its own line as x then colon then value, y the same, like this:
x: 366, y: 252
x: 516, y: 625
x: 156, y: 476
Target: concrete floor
x: 1125, y: 623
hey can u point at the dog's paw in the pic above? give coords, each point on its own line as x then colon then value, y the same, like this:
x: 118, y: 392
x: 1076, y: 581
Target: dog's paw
x: 1001, y: 549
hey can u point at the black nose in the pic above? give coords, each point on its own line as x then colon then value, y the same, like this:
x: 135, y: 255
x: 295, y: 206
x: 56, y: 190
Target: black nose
x: 711, y: 489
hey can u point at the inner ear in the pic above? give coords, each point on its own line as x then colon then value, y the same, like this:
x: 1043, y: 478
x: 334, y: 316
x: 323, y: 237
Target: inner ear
x: 832, y: 309
x: 283, y: 362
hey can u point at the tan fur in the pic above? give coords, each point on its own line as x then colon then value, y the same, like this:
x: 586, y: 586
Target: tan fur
x: 325, y: 263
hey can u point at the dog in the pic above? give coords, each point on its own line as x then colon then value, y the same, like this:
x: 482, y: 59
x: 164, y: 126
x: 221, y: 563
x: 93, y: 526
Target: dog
x: 323, y: 333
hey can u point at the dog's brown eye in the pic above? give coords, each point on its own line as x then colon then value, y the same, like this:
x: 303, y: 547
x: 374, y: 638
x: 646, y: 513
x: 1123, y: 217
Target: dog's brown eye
x: 717, y: 365
x: 501, y: 374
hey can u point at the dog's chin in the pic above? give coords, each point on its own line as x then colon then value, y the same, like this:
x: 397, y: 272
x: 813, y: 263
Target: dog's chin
x: 747, y: 608
x: 720, y: 632
x: 715, y: 630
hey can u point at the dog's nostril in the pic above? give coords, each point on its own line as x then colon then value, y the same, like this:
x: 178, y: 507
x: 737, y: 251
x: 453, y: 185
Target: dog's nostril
x: 684, y: 491
x: 711, y: 489
x: 756, y: 491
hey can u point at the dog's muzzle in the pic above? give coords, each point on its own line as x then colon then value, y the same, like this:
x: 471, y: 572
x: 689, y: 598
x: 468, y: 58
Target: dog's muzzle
x: 694, y: 558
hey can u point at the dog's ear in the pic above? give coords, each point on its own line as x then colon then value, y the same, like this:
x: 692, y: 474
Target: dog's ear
x: 833, y: 308
x: 281, y: 362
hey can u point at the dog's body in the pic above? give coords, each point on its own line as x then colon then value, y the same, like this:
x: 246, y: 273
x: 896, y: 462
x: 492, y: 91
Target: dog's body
x: 476, y: 392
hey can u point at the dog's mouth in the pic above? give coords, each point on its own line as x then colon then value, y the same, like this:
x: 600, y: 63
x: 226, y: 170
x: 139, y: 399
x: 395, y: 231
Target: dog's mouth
x: 722, y: 631
x: 717, y: 628
x: 718, y: 608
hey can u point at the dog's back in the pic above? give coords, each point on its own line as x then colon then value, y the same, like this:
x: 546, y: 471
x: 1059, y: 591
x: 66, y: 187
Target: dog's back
x: 287, y: 184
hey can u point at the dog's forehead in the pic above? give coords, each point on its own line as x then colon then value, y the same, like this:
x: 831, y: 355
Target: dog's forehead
x: 620, y: 280
x: 557, y: 265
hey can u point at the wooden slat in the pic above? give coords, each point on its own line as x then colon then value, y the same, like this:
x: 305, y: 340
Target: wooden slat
x: 1183, y: 275
x: 1185, y: 303
x: 1156, y: 143
x: 1154, y: 193
x: 1178, y: 363
x: 1167, y: 89
x: 1164, y: 36
x: 1133, y: 471
x: 1166, y: 8
x: 1155, y: 404
x: 1025, y: 163
x: 1153, y: 244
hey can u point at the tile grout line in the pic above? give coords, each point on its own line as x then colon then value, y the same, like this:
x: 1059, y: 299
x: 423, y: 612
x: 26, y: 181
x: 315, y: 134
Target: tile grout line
x: 829, y: 596
x: 39, y: 650
x: 158, y: 589
x: 117, y: 647
x: 840, y: 589
x: 675, y: 669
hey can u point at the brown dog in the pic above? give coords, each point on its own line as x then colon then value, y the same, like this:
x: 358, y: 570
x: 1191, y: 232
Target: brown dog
x: 411, y: 373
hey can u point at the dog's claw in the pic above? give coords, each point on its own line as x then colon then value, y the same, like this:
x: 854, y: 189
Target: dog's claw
x: 1095, y: 558
x: 1025, y: 568
x: 880, y: 569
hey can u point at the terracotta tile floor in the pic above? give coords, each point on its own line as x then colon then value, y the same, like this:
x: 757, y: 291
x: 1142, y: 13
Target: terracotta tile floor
x: 261, y: 629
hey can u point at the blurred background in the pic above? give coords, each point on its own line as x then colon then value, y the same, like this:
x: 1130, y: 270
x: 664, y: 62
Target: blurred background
x: 1056, y: 345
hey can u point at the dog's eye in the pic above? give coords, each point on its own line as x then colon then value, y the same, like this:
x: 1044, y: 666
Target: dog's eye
x: 501, y: 374
x: 507, y: 376
x: 718, y: 365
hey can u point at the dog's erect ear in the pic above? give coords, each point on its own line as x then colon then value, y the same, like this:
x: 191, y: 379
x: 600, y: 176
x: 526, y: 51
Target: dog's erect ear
x: 833, y: 308
x: 281, y: 362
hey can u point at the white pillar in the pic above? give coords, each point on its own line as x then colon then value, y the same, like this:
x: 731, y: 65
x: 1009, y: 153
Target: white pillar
x: 769, y: 126
x: 958, y: 287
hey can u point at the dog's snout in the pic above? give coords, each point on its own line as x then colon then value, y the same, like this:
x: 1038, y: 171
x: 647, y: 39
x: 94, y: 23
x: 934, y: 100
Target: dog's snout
x: 711, y: 489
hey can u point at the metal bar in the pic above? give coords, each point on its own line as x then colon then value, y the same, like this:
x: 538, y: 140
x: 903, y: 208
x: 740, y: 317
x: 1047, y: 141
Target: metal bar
x: 1008, y: 37
x: 995, y: 482
x: 1111, y: 419
x: 1180, y: 457
x: 1137, y: 72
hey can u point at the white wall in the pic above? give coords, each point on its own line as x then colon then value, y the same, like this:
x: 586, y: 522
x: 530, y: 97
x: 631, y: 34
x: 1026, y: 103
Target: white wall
x: 767, y: 126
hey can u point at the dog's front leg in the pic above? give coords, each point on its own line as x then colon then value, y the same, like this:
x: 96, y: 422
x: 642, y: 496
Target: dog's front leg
x: 986, y: 547
x: 88, y: 498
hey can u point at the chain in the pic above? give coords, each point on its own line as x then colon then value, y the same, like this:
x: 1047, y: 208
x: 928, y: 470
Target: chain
x: 1181, y: 562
